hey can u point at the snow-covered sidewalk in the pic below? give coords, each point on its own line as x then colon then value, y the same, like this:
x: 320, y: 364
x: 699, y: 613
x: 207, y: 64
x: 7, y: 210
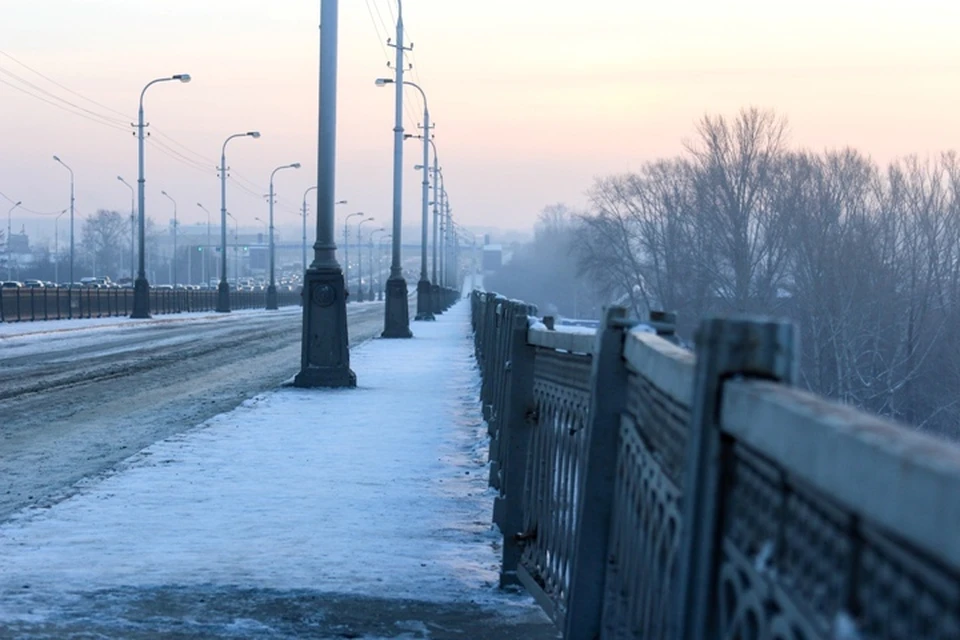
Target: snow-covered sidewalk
x: 378, y: 492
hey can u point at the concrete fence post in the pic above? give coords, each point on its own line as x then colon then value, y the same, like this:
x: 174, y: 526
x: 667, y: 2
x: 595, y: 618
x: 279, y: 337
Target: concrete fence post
x: 608, y: 395
x: 743, y: 347
x: 489, y: 342
x: 519, y: 419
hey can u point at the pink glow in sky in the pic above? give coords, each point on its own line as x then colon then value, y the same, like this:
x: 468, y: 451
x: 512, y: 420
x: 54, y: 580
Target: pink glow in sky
x: 532, y: 98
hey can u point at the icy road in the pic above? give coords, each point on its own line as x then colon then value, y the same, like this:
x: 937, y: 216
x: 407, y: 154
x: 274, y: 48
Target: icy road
x: 75, y: 402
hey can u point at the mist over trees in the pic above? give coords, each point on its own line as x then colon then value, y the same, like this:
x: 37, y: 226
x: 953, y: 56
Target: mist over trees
x: 105, y: 237
x: 864, y: 258
x: 546, y: 272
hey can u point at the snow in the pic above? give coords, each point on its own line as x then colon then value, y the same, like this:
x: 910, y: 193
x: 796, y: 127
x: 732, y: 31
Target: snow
x: 40, y: 327
x: 379, y: 491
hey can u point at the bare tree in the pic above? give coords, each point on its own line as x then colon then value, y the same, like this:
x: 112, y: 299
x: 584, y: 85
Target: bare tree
x: 735, y: 168
x: 103, y: 237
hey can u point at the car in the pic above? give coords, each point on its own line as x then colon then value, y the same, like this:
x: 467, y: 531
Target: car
x: 33, y: 284
x: 11, y: 284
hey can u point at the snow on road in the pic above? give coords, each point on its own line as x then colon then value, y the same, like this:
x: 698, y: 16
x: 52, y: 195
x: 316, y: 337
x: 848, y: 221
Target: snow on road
x: 11, y: 329
x: 378, y: 491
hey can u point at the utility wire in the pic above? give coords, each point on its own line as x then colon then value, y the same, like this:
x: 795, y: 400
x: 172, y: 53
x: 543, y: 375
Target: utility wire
x: 97, y: 119
x: 65, y: 88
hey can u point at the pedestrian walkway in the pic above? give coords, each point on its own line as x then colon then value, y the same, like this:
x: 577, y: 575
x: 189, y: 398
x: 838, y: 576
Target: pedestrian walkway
x: 302, y: 514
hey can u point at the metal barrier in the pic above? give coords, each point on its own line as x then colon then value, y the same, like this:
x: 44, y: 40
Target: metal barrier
x: 645, y: 493
x: 32, y: 304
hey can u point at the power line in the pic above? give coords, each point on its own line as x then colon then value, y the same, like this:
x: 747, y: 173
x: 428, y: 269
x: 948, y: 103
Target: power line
x: 380, y: 38
x: 176, y: 154
x: 65, y: 88
x: 63, y: 108
x: 11, y: 74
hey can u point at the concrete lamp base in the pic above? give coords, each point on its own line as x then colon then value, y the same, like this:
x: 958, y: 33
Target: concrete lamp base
x: 425, y: 301
x: 325, y: 348
x: 141, y: 299
x: 396, y: 320
x: 223, y: 297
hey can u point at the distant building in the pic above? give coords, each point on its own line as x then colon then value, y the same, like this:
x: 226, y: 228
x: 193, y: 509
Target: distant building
x: 492, y: 257
x: 19, y: 243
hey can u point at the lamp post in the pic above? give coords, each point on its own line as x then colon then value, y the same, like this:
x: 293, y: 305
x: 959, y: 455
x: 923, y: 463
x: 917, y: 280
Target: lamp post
x: 360, y: 258
x: 380, y: 266
x: 304, y: 216
x: 133, y: 229
x: 223, y: 290
x: 272, y: 287
x: 396, y: 316
x: 423, y: 285
x: 173, y: 263
x: 203, y: 265
x: 346, y: 250
x: 438, y: 191
x: 371, y: 296
x: 56, y: 246
x: 71, y: 215
x: 236, y: 255
x: 141, y: 288
x: 325, y: 353
x: 9, y: 236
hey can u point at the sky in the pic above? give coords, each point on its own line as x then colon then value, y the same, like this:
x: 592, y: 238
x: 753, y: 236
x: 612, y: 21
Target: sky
x: 532, y: 100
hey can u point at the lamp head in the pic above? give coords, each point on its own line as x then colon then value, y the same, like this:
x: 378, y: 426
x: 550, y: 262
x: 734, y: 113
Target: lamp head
x: 382, y: 82
x: 182, y: 77
x: 253, y: 134
x: 295, y: 165
x: 120, y: 178
x: 57, y: 158
x: 164, y: 193
x: 340, y: 202
x: 18, y: 203
x: 418, y: 167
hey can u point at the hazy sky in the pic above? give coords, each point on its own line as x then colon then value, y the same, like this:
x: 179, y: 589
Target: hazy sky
x: 532, y: 98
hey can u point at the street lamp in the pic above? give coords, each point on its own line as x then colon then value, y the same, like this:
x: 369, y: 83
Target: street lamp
x: 173, y: 263
x: 325, y: 347
x: 71, y: 215
x: 360, y: 258
x: 9, y: 236
x: 141, y: 288
x: 133, y: 229
x: 236, y: 255
x: 56, y: 246
x: 346, y: 250
x: 370, y: 294
x: 223, y: 290
x: 304, y: 216
x: 272, y: 287
x: 206, y: 280
x: 424, y: 291
x: 380, y: 266
x: 264, y: 223
x: 396, y: 317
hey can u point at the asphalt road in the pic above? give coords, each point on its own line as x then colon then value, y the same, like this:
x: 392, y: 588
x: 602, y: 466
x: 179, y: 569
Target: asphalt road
x: 75, y: 403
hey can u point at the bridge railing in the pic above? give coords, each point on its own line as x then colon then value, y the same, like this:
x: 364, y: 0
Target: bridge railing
x: 648, y: 493
x: 31, y: 304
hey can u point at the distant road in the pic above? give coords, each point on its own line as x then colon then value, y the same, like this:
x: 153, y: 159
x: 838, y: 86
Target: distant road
x: 75, y: 403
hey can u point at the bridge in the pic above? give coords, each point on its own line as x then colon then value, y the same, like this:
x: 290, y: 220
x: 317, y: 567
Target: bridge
x: 501, y: 475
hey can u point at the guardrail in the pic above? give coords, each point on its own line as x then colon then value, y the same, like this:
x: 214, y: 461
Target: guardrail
x: 29, y: 304
x: 647, y: 493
